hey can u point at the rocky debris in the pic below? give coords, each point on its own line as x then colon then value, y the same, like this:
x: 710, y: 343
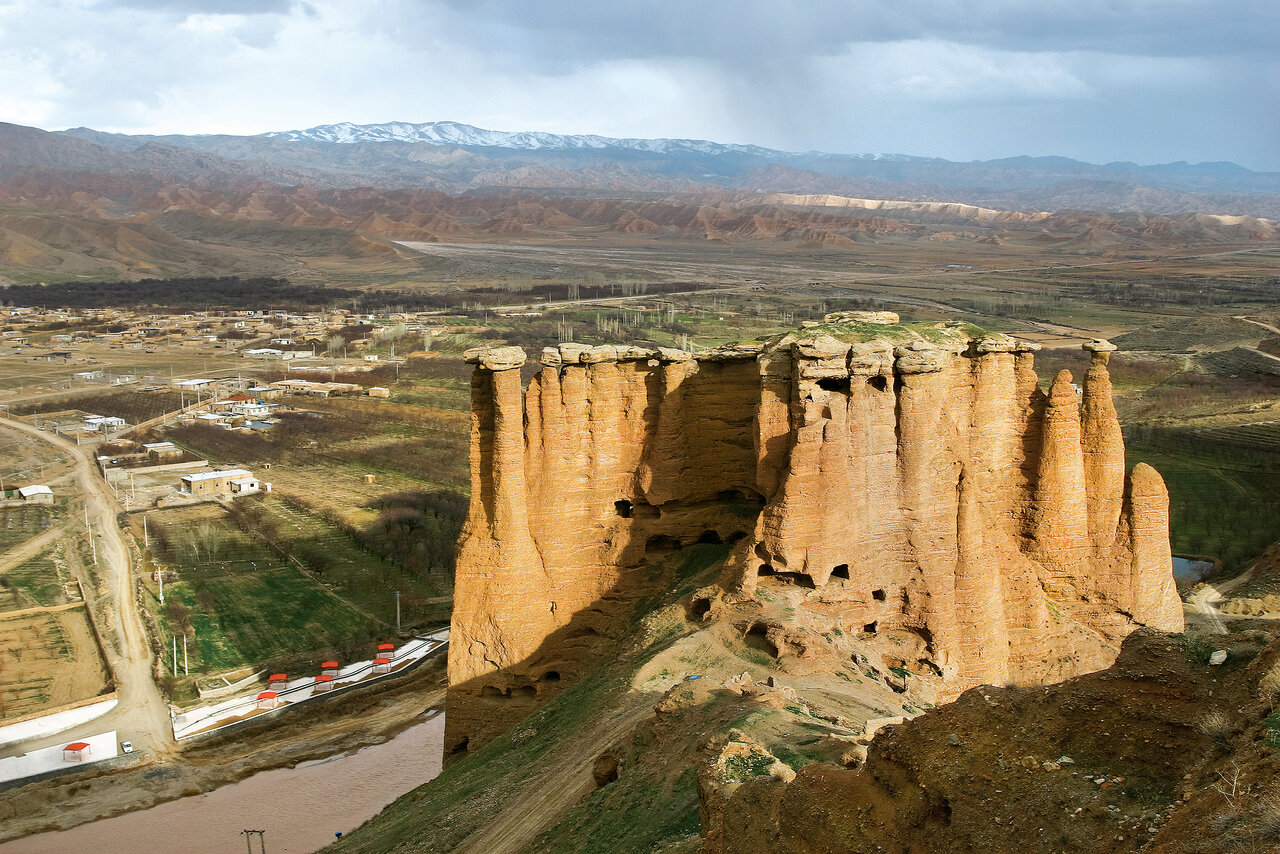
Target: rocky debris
x: 731, y: 352
x: 908, y: 481
x: 1247, y: 606
x: 495, y: 358
x: 922, y: 357
x: 670, y: 354
x: 880, y: 318
x: 596, y: 355
x: 1141, y: 775
x: 1100, y: 348
x: 605, y: 769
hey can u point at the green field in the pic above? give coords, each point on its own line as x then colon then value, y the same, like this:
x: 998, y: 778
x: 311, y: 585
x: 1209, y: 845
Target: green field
x: 34, y: 583
x: 19, y: 524
x: 365, y: 579
x: 269, y: 582
x: 1222, y: 496
x: 250, y: 618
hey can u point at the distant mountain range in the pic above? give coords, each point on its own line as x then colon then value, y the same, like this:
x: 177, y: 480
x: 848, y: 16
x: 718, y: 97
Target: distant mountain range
x: 84, y: 204
x: 464, y: 136
x: 457, y: 158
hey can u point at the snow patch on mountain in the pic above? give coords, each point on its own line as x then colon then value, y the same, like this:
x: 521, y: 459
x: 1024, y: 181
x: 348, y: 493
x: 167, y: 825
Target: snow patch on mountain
x: 455, y: 133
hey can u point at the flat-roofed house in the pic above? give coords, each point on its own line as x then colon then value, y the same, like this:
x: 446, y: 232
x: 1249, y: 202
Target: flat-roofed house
x: 208, y: 484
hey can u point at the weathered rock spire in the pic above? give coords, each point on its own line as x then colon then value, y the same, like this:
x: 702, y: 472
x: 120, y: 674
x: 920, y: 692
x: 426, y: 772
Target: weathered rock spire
x: 915, y: 477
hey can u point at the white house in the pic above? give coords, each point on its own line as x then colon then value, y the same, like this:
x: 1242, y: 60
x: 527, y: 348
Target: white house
x: 103, y: 423
x: 251, y: 409
x: 36, y: 494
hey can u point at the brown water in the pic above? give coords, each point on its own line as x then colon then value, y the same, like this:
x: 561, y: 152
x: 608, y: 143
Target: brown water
x: 299, y: 808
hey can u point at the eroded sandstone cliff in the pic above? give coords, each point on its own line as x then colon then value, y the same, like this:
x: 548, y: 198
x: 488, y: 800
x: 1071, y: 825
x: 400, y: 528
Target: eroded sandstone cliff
x: 914, y: 477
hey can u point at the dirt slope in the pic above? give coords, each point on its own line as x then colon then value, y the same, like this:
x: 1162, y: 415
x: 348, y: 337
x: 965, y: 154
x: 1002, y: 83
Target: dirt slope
x: 1161, y: 753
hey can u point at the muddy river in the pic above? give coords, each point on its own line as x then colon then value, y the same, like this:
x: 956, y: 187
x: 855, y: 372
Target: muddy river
x: 299, y: 808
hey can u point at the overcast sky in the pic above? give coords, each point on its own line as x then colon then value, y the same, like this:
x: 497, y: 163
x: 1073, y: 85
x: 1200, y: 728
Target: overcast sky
x: 1150, y: 81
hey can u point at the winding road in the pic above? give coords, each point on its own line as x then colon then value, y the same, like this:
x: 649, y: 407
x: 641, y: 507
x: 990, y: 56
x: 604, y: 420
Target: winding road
x: 1205, y: 600
x: 142, y: 715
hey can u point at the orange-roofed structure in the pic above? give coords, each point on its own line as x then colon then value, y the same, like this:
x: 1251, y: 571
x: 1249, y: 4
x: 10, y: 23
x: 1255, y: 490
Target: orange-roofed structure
x: 77, y: 751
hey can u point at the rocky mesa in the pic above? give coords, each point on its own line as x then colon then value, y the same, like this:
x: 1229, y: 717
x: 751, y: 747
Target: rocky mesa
x: 912, y: 482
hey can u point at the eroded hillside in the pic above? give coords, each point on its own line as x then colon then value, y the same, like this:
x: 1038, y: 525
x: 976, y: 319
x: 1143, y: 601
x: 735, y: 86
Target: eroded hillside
x: 913, y: 483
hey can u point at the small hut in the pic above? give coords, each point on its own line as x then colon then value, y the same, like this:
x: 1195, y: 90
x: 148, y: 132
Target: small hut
x: 324, y: 682
x: 382, y: 665
x: 387, y: 649
x: 268, y: 700
x: 277, y: 679
x: 329, y: 668
x: 76, y: 751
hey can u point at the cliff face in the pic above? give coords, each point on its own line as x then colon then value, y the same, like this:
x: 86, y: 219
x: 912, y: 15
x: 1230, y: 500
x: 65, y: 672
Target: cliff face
x: 914, y: 477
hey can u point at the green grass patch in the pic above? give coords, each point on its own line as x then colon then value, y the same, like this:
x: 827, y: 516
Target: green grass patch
x: 1272, y: 728
x: 1222, y: 501
x: 34, y: 583
x: 249, y: 618
x: 366, y: 579
x: 739, y: 769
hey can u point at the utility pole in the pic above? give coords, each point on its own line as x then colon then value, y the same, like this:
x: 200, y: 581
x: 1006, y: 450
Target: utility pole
x: 175, y: 655
x: 397, y: 612
x: 184, y: 656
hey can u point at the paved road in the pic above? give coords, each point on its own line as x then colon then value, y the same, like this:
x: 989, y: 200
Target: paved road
x: 142, y: 715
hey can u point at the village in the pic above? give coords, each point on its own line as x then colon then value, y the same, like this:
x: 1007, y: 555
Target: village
x: 115, y: 460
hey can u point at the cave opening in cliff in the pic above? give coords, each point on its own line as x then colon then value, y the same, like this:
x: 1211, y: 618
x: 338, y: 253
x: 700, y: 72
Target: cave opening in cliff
x: 877, y: 595
x: 462, y: 746
x: 660, y: 543
x: 841, y: 571
x: 710, y: 537
x: 699, y: 608
x: 551, y: 676
x: 799, y: 579
x: 492, y: 691
x: 879, y: 383
x: 840, y: 384
x: 757, y: 637
x: 624, y: 508
x: 524, y: 692
x: 738, y: 496
x: 735, y: 537
x: 870, y: 628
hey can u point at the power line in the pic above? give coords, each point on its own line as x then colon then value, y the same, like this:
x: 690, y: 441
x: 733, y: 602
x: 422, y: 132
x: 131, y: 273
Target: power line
x: 248, y: 835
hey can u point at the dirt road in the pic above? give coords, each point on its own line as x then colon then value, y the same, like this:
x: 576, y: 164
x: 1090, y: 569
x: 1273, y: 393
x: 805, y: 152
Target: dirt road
x: 1206, y: 599
x: 559, y: 785
x: 31, y: 548
x: 142, y: 715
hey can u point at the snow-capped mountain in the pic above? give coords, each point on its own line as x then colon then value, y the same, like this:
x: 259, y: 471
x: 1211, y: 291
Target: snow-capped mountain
x: 455, y: 158
x: 455, y: 133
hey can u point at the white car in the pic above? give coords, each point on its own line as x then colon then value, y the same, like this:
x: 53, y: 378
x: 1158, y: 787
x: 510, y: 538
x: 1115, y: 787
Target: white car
x: 126, y: 747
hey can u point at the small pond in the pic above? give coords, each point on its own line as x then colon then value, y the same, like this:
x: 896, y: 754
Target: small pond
x: 1191, y: 571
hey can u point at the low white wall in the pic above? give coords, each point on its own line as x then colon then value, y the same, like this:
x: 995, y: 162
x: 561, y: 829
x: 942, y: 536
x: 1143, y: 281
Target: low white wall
x: 49, y: 759
x: 54, y: 723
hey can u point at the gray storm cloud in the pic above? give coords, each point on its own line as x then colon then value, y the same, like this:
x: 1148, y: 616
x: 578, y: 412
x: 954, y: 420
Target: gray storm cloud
x: 206, y: 7
x: 1100, y: 80
x: 758, y: 29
